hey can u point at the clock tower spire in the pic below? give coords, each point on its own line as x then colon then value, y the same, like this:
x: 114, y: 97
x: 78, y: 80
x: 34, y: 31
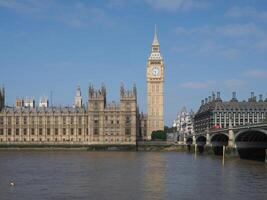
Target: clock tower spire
x: 155, y: 89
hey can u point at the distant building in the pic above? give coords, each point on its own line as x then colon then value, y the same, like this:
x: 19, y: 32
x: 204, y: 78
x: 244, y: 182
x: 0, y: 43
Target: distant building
x: 78, y: 98
x: 43, y: 103
x: 19, y: 103
x: 184, y: 122
x: 29, y: 103
x: 216, y: 113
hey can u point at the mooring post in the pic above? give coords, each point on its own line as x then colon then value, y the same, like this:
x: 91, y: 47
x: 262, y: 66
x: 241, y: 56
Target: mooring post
x: 223, y: 155
x: 195, y: 150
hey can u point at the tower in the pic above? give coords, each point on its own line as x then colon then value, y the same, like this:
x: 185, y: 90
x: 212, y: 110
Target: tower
x: 155, y: 89
x: 78, y: 98
x: 2, y: 98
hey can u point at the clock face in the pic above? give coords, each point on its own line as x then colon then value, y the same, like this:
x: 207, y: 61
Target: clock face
x: 155, y: 71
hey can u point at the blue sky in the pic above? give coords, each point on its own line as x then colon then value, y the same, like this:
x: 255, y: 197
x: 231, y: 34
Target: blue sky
x: 208, y: 45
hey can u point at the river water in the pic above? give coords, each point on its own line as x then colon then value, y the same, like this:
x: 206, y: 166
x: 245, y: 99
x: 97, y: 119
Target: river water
x: 128, y: 175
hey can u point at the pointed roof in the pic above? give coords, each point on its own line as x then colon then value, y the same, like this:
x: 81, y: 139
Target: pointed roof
x: 155, y: 40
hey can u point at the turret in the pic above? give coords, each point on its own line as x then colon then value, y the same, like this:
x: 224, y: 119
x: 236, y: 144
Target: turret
x: 78, y: 98
x: 97, y: 98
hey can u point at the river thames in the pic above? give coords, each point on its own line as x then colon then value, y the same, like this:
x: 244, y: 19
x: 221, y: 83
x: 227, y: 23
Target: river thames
x: 128, y: 175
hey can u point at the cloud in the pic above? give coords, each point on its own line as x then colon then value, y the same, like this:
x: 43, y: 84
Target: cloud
x: 197, y: 85
x: 26, y: 6
x: 256, y: 73
x: 234, y: 83
x: 246, y: 12
x: 75, y: 14
x: 230, y: 30
x: 174, y: 5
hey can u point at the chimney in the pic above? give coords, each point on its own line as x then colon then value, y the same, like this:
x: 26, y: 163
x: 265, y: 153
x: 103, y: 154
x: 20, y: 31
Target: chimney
x: 213, y: 96
x: 218, y: 95
x: 202, y: 102
x: 209, y: 98
x: 206, y: 100
x: 261, y: 98
x: 234, y: 95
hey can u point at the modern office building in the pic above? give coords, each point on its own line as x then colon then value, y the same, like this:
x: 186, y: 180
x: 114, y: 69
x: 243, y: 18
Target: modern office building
x: 216, y: 113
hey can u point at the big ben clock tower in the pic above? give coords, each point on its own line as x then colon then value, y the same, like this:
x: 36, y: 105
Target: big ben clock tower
x: 155, y: 89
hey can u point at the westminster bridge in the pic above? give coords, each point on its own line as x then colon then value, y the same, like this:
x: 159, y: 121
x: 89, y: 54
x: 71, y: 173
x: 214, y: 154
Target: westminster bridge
x: 250, y: 141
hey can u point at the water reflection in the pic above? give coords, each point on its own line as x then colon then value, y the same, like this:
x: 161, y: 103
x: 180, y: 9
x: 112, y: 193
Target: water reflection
x: 128, y: 175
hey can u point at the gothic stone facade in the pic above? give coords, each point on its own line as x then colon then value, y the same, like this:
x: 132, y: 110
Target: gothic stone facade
x: 155, y: 89
x: 98, y: 123
x: 215, y: 113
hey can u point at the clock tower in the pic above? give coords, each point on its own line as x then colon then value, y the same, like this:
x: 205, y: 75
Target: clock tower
x: 155, y: 89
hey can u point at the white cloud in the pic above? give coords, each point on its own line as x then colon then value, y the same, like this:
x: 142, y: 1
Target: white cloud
x: 247, y: 11
x: 235, y: 83
x: 76, y: 14
x: 197, y: 85
x: 231, y: 30
x: 256, y: 73
x: 174, y: 5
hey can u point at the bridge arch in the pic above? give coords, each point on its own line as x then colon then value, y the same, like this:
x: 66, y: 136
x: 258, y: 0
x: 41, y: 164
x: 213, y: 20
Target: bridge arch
x: 218, y: 140
x: 251, y: 144
x: 201, y: 142
x: 189, y: 141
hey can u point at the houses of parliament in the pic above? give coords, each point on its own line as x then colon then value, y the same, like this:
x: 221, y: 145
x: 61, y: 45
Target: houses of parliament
x: 95, y: 122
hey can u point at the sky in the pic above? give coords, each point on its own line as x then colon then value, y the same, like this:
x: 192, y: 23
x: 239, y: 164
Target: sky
x: 51, y: 47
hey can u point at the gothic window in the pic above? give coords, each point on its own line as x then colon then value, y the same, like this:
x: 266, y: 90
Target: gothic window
x: 127, y: 131
x: 95, y: 131
x: 1, y: 131
x: 71, y: 120
x: 40, y: 131
x: 48, y: 131
x: 95, y: 105
x: 32, y: 131
x: 80, y: 131
x: 72, y: 131
x: 25, y: 131
x: 80, y: 120
x: 64, y: 131
x: 64, y: 120
x: 24, y: 120
x: 40, y: 120
x: 17, y: 131
x: 17, y: 120
x: 127, y: 120
x: 1, y: 120
x: 56, y: 131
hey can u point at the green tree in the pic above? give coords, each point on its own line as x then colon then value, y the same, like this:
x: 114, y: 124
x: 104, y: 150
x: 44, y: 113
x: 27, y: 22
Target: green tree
x: 159, y: 135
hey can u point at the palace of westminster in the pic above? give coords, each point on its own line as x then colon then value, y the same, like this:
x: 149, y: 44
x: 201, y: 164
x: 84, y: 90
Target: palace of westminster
x: 97, y: 122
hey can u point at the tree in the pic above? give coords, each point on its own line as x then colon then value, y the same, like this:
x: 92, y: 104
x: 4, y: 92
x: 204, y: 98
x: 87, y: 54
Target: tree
x: 159, y: 135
